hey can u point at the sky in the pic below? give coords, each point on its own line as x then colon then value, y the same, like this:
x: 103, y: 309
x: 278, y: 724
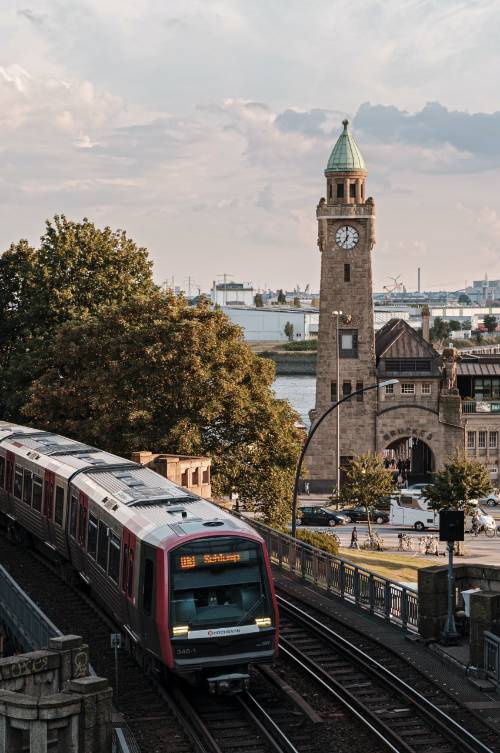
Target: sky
x: 203, y: 128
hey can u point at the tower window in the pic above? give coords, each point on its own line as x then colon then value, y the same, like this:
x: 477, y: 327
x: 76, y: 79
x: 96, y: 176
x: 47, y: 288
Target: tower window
x: 359, y: 386
x: 349, y: 343
x: 333, y: 392
x: 346, y: 389
x: 330, y: 191
x: 352, y: 190
x: 347, y: 273
x: 340, y: 190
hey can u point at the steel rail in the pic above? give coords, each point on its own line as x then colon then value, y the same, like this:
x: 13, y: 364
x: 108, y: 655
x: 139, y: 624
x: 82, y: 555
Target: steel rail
x: 272, y: 732
x: 347, y: 699
x: 448, y: 726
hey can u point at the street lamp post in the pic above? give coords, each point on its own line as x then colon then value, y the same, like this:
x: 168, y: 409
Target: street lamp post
x: 311, y: 434
x: 337, y: 314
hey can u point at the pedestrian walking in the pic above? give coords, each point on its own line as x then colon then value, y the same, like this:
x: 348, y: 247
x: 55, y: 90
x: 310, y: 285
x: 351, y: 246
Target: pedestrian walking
x: 354, y: 539
x: 306, y: 487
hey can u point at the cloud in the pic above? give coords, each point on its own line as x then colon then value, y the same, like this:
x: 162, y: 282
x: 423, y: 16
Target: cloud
x: 470, y: 139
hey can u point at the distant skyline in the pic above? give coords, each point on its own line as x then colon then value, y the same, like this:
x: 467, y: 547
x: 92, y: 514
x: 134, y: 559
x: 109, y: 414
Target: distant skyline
x: 203, y: 128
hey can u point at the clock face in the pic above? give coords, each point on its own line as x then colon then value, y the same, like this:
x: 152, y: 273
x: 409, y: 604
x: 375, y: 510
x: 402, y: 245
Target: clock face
x: 346, y: 237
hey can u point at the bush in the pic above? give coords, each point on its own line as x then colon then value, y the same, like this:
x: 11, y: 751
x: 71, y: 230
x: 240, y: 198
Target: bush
x: 319, y: 540
x: 301, y: 345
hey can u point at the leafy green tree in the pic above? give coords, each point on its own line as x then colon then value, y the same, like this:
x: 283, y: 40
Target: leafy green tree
x: 463, y: 298
x: 367, y: 482
x: 454, y: 325
x: 460, y: 481
x: 467, y: 324
x: 281, y: 297
x: 77, y: 269
x: 258, y: 300
x: 440, y: 330
x: 288, y: 330
x: 154, y: 373
x: 296, y: 302
x: 490, y: 322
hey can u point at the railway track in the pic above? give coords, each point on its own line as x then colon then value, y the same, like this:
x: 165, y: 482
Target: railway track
x: 401, y: 717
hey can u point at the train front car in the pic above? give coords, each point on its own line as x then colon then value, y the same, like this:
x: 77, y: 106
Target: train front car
x: 222, y: 609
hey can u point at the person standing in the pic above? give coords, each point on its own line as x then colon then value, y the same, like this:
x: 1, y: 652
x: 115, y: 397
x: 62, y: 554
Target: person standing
x: 354, y: 539
x: 306, y: 487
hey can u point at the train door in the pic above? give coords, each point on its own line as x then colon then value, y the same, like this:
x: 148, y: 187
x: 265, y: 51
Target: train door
x: 9, y: 477
x: 48, y: 505
x: 128, y: 575
x: 83, y: 509
x: 147, y: 596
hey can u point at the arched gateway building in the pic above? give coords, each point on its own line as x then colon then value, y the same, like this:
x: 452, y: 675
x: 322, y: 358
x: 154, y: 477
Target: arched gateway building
x: 423, y: 419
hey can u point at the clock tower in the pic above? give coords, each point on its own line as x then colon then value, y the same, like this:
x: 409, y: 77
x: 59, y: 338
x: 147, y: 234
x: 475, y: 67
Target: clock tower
x: 346, y: 343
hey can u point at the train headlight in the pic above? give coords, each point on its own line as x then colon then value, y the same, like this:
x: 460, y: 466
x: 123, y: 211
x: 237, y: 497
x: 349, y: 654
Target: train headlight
x: 263, y: 622
x: 179, y: 630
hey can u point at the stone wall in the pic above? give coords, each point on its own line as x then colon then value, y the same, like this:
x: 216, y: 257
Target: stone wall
x: 48, y: 701
x: 484, y: 605
x: 190, y: 471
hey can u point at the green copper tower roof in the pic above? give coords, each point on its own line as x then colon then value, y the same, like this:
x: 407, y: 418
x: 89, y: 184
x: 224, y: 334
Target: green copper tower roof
x: 345, y: 155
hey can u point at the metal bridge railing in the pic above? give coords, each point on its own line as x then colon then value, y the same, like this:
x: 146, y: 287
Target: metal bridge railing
x: 371, y: 592
x: 30, y: 626
x: 492, y: 656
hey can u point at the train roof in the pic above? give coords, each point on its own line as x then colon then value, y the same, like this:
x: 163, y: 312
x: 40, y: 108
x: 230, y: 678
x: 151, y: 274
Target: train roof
x: 152, y: 505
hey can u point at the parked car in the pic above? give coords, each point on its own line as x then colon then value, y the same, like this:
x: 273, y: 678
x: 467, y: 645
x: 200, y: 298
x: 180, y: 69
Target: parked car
x: 491, y: 500
x: 358, y: 513
x: 320, y: 516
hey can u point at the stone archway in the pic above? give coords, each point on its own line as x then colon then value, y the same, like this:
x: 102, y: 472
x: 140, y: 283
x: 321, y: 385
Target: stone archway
x: 416, y: 455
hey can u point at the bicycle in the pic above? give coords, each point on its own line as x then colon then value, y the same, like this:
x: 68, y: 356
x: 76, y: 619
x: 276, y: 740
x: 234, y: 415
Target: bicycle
x: 405, y: 543
x: 429, y: 545
x: 373, y: 542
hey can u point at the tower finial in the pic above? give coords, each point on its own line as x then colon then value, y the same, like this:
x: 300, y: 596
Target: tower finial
x: 345, y: 123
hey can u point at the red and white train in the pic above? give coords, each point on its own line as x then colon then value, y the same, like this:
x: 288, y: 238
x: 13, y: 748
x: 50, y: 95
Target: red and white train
x: 189, y: 583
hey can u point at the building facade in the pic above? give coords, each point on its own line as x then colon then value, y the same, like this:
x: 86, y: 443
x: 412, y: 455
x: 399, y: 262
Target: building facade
x: 441, y: 403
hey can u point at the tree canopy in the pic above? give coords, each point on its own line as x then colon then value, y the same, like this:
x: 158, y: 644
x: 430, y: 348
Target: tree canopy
x: 153, y: 373
x: 368, y: 481
x: 490, y: 322
x: 77, y: 269
x: 440, y: 330
x: 460, y: 481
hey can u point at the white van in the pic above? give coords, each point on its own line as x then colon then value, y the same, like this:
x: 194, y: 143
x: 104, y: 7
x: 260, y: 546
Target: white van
x: 414, y: 512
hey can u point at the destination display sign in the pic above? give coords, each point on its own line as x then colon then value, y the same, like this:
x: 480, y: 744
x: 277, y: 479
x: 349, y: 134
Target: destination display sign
x: 209, y: 559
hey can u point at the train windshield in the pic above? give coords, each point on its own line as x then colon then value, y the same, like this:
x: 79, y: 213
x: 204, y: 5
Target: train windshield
x: 217, y: 582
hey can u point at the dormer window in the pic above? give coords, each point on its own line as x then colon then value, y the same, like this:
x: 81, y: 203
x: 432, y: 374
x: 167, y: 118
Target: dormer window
x: 340, y: 190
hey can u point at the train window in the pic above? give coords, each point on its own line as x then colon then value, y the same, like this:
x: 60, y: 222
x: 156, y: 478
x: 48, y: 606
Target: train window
x: 217, y: 582
x: 18, y: 482
x: 114, y: 557
x: 102, y: 547
x: 27, y: 487
x: 73, y: 515
x: 92, y: 536
x: 149, y: 575
x: 59, y: 508
x: 82, y: 524
x: 2, y: 471
x: 37, y: 493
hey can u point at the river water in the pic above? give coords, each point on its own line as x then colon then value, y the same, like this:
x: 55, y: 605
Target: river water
x: 300, y: 391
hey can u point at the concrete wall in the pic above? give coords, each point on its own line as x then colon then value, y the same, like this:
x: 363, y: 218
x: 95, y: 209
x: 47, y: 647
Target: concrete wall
x: 48, y: 701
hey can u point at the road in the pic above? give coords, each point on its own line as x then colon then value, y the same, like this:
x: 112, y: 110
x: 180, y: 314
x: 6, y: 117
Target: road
x: 480, y: 548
